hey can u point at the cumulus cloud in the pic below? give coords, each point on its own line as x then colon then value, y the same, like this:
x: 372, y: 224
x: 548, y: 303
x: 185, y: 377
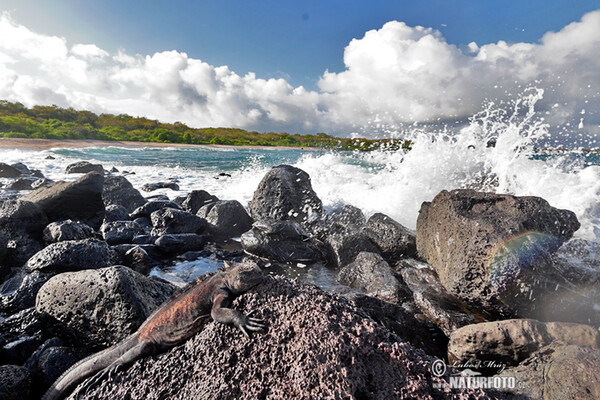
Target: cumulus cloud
x: 394, y: 75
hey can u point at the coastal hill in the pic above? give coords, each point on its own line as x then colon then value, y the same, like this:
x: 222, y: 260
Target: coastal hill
x: 53, y: 122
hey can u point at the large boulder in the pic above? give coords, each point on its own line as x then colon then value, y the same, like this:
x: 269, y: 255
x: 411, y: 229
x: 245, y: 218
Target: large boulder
x: 393, y: 240
x: 282, y: 241
x: 491, y: 249
x: 22, y: 224
x: 285, y: 193
x: 345, y: 247
x: 71, y: 255
x: 512, y: 341
x: 79, y: 200
x: 67, y: 230
x: 120, y: 192
x: 197, y: 199
x: 116, y: 213
x: 150, y: 187
x: 171, y: 220
x: 370, y: 273
x: 100, y: 307
x: 83, y: 167
x: 342, y: 220
x: 317, y: 346
x: 8, y: 171
x: 226, y: 219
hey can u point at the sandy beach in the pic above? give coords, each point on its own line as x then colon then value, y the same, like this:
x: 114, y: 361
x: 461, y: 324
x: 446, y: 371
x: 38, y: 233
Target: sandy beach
x: 45, y: 144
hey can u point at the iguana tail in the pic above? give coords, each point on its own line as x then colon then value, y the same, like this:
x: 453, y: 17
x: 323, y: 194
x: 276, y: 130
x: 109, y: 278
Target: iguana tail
x: 88, y: 367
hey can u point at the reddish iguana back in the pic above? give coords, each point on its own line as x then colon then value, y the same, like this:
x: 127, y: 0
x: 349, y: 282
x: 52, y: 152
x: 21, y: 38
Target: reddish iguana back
x: 173, y: 323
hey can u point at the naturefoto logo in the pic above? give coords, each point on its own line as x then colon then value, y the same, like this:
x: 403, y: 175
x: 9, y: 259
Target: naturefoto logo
x: 470, y: 379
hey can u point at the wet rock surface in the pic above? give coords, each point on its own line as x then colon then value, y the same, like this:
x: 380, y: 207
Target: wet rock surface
x: 316, y: 346
x: 79, y: 200
x: 345, y: 247
x: 285, y: 193
x: 99, y: 307
x: 490, y: 249
x: 393, y: 240
x: 18, y: 292
x: 71, y: 255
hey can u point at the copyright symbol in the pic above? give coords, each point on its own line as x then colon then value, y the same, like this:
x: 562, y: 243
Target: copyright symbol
x: 438, y: 368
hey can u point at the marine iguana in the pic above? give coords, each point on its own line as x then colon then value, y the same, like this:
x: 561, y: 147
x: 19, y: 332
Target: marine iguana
x: 173, y: 323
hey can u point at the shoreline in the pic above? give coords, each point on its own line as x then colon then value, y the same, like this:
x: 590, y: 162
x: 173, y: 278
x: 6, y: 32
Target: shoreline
x: 47, y: 144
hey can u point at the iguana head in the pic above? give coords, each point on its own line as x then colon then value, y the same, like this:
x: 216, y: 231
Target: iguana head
x: 242, y: 277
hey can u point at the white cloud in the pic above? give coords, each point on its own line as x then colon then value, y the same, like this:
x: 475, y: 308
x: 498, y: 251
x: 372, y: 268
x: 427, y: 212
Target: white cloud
x: 397, y: 74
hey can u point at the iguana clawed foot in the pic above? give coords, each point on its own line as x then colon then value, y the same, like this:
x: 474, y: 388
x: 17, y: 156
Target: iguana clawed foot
x: 247, y: 323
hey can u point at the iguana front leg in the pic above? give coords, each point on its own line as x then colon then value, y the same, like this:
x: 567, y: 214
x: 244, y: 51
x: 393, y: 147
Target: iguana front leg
x: 229, y: 316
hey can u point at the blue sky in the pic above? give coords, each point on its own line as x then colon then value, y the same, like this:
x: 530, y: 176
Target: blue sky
x: 296, y: 40
x: 342, y: 67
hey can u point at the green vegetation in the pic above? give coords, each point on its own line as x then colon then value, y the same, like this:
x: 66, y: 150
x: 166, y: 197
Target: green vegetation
x: 52, y: 122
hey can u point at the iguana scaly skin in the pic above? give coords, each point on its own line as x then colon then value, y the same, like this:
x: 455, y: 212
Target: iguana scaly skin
x: 173, y: 323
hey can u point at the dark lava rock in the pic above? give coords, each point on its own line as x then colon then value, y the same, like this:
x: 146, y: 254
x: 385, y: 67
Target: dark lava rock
x: 226, y: 219
x: 317, y: 346
x: 18, y: 292
x: 285, y: 193
x: 442, y: 308
x: 197, y: 199
x: 22, y: 223
x: 119, y: 191
x: 25, y: 183
x: 345, y: 247
x: 42, y: 182
x: 83, y: 167
x: 71, y: 255
x: 511, y: 341
x: 24, y: 323
x: 151, y: 206
x: 558, y: 372
x: 79, y: 200
x: 138, y: 259
x: 370, y: 273
x: 180, y: 243
x: 118, y: 232
x: 100, y: 307
x: 342, y: 220
x: 67, y: 230
x: 489, y: 249
x: 8, y: 171
x: 116, y: 213
x: 282, y: 241
x: 114, y: 170
x: 56, y: 360
x: 393, y: 240
x: 171, y: 220
x: 150, y: 187
x: 32, y: 363
x: 19, y: 350
x: 3, y: 251
x: 15, y: 382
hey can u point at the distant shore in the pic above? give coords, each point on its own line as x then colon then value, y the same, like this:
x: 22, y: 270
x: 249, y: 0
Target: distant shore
x: 45, y: 144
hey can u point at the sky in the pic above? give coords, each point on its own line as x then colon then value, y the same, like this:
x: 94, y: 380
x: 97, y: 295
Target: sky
x: 341, y: 67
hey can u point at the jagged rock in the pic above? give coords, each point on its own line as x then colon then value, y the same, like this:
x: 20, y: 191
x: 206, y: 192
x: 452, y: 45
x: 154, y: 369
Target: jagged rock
x: 511, y: 341
x: 145, y: 210
x: 558, y: 372
x: 283, y: 241
x: 100, y: 307
x: 342, y: 220
x: 15, y: 382
x: 370, y: 273
x: 150, y: 187
x: 8, y: 171
x: 71, y: 255
x: 118, y: 232
x: 442, y: 308
x: 25, y: 183
x: 67, y: 230
x: 114, y: 170
x: 18, y: 292
x: 197, y: 199
x: 180, y: 243
x: 116, y: 213
x: 393, y: 240
x: 345, y: 248
x: 285, y: 193
x: 118, y: 191
x: 171, y: 220
x: 22, y: 223
x: 225, y: 218
x: 83, y: 167
x: 491, y: 249
x: 317, y: 346
x: 79, y: 200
